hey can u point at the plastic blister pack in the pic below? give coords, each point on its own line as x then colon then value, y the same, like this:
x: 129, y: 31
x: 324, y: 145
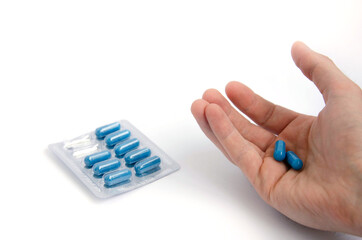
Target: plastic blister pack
x: 114, y: 159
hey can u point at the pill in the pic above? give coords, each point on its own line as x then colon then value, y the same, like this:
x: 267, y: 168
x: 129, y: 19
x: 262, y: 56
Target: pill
x: 122, y: 148
x: 294, y: 161
x: 148, y: 165
x: 136, y: 155
x: 116, y: 177
x: 116, y: 137
x: 103, y: 131
x: 279, y: 150
x: 106, y: 166
x: 94, y: 158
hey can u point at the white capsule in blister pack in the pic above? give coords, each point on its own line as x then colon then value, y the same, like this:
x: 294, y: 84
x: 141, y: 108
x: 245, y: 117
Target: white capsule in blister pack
x: 114, y: 159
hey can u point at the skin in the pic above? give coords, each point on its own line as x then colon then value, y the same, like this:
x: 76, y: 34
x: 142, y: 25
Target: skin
x: 327, y: 193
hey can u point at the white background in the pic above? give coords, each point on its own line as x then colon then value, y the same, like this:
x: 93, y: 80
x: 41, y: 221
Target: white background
x: 67, y: 67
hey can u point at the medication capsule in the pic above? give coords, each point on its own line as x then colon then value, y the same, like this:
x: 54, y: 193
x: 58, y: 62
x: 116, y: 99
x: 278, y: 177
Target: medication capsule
x: 116, y: 177
x: 126, y: 146
x: 136, y: 155
x: 147, y: 165
x: 94, y: 158
x: 294, y: 161
x: 101, y: 132
x: 116, y: 137
x: 106, y: 166
x: 279, y: 150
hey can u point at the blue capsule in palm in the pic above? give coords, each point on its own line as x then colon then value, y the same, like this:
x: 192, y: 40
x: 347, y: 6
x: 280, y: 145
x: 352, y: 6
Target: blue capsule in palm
x: 294, y: 161
x: 279, y: 150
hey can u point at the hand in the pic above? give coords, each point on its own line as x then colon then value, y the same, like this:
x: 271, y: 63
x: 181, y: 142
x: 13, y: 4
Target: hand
x: 327, y: 193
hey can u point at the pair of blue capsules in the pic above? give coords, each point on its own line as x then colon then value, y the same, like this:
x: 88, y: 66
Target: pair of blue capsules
x: 102, y: 164
x: 280, y: 154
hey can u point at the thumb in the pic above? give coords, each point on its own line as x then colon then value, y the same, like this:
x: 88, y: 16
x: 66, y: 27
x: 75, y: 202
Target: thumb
x: 321, y: 70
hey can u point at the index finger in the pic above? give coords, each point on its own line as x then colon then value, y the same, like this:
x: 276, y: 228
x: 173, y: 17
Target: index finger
x: 266, y: 114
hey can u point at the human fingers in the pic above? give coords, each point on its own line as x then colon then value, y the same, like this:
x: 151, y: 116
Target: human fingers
x: 321, y: 70
x: 255, y: 134
x: 240, y: 150
x: 266, y: 114
x: 262, y: 171
x: 198, y: 111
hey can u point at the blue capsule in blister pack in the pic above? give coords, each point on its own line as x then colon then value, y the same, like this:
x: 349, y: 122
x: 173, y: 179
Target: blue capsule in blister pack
x: 114, y: 159
x: 116, y: 137
x: 147, y: 166
x: 94, y: 158
x: 117, y: 177
x: 106, y: 166
x: 136, y: 155
x: 122, y: 148
x: 103, y: 131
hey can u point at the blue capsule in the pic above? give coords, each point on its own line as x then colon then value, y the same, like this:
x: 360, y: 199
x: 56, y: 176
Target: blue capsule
x: 96, y: 157
x: 103, y: 131
x: 116, y: 177
x: 147, y: 166
x: 294, y: 161
x: 116, y: 137
x: 126, y: 146
x: 136, y: 155
x: 279, y: 150
x: 106, y: 166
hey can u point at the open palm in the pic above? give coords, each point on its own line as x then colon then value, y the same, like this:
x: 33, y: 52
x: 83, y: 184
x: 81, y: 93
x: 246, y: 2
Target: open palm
x: 327, y: 193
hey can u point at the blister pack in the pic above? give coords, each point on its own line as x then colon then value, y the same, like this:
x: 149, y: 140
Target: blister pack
x: 114, y: 159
